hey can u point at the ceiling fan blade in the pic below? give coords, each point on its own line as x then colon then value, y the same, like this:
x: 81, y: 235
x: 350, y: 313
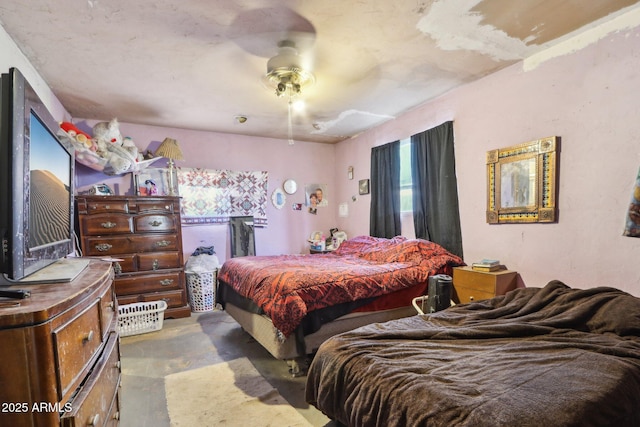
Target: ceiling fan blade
x: 270, y: 26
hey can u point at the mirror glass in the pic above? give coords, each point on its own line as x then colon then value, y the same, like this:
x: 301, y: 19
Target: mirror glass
x: 242, y: 236
x: 518, y: 183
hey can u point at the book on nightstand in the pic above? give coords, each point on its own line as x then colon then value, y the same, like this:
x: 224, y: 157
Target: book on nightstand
x: 487, y: 265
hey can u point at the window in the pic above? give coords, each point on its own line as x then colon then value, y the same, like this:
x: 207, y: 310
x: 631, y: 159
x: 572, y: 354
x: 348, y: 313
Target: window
x: 406, y: 201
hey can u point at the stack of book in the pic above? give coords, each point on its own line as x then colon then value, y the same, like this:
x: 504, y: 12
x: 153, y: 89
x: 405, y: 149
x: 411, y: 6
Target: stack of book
x: 487, y: 265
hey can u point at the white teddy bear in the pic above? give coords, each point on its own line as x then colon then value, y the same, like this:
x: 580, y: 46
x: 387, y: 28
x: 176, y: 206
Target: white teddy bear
x: 120, y: 152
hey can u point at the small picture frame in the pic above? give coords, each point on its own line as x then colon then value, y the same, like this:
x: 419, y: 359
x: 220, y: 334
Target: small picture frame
x: 363, y: 186
x: 152, y: 182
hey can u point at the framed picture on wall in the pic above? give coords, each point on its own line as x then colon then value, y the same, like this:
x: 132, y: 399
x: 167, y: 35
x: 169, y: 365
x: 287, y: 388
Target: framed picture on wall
x: 363, y: 186
x: 316, y: 195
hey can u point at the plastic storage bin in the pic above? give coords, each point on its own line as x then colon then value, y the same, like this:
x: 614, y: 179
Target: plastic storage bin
x: 201, y: 286
x: 140, y: 317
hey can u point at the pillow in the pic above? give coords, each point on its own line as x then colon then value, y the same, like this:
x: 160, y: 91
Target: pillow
x: 364, y: 246
x: 396, y: 249
x: 619, y: 315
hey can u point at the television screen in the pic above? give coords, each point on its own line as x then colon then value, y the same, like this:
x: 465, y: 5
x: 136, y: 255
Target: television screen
x: 50, y: 187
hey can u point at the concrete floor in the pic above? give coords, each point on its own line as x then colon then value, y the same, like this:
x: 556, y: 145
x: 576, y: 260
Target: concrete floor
x: 189, y: 343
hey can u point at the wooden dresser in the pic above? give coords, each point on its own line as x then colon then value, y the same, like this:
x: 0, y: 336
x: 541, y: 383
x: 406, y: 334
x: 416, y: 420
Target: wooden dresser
x: 145, y: 233
x: 60, y: 360
x: 473, y: 285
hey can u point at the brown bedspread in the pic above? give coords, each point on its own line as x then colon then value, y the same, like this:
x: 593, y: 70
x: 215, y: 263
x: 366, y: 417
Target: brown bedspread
x: 287, y: 287
x: 536, y: 357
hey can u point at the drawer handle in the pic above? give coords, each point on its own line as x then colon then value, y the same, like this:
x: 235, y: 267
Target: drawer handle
x: 93, y: 421
x: 156, y: 264
x: 88, y: 337
x: 163, y: 243
x: 117, y: 268
x: 103, y: 247
x: 155, y: 223
x: 108, y: 224
x: 166, y: 282
x: 471, y: 298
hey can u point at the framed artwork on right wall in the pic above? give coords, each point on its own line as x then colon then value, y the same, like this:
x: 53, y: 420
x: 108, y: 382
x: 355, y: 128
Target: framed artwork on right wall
x: 521, y: 182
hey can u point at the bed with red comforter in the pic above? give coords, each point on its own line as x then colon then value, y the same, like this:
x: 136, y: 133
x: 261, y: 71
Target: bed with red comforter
x: 301, y: 293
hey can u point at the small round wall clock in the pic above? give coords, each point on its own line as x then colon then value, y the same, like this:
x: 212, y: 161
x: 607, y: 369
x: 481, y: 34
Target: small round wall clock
x: 290, y: 186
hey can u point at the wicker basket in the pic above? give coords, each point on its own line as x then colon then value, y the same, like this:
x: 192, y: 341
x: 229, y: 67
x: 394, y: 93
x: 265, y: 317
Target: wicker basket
x: 202, y: 287
x: 140, y: 317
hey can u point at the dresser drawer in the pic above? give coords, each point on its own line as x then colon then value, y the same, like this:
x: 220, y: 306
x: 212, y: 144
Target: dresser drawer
x: 102, y: 206
x: 128, y: 263
x: 158, y: 261
x: 147, y: 261
x: 155, y: 223
x: 113, y: 419
x: 465, y: 295
x: 151, y: 205
x: 108, y: 309
x: 94, y: 402
x: 172, y: 298
x: 141, y: 283
x: 114, y: 246
x: 75, y: 344
x: 99, y: 225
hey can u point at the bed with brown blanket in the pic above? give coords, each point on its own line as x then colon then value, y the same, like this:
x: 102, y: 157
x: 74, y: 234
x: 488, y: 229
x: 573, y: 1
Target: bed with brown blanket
x: 551, y: 356
x: 291, y: 303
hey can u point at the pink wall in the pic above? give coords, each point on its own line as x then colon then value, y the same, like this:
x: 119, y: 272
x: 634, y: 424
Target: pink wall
x: 589, y: 99
x: 307, y: 163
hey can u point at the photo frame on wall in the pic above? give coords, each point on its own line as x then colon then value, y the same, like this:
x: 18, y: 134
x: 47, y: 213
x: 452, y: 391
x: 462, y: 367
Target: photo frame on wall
x: 363, y: 186
x: 152, y: 182
x: 521, y: 182
x: 316, y: 196
x: 632, y: 223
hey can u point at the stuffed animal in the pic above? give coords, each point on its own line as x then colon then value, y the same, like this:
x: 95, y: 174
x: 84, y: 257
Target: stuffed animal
x: 111, y: 146
x: 106, y: 134
x: 76, y: 135
x: 132, y: 148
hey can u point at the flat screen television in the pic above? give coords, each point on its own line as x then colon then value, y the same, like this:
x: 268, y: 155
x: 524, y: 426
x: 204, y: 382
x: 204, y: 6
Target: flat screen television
x: 36, y: 185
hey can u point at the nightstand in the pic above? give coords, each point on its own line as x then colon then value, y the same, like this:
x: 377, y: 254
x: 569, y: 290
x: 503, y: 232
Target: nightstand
x: 473, y: 285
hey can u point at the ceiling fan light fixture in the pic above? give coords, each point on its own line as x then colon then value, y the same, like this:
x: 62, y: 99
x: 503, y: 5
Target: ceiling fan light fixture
x: 285, y: 72
x: 287, y: 75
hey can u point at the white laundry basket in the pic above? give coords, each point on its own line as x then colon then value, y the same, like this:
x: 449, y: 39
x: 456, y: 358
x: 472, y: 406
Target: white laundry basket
x: 140, y: 317
x: 202, y: 290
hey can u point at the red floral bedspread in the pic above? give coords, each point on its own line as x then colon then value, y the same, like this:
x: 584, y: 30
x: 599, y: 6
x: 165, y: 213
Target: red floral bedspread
x: 287, y: 287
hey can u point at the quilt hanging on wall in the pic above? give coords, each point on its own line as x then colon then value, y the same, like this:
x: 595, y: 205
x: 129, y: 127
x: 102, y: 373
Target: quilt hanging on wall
x: 212, y: 196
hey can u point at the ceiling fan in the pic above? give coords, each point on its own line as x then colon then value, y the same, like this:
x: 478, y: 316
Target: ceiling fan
x: 288, y: 75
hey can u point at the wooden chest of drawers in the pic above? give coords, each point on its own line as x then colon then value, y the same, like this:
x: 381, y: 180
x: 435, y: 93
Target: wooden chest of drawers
x: 145, y: 234
x: 472, y: 285
x: 60, y: 355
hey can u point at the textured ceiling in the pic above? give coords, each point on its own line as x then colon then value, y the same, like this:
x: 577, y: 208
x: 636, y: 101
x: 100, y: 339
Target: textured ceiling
x: 198, y: 64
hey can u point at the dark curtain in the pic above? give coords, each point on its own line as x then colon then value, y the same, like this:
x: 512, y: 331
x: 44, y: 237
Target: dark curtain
x: 436, y: 213
x: 385, y: 190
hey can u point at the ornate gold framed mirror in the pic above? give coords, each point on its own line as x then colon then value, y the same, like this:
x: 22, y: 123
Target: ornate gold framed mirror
x: 521, y: 182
